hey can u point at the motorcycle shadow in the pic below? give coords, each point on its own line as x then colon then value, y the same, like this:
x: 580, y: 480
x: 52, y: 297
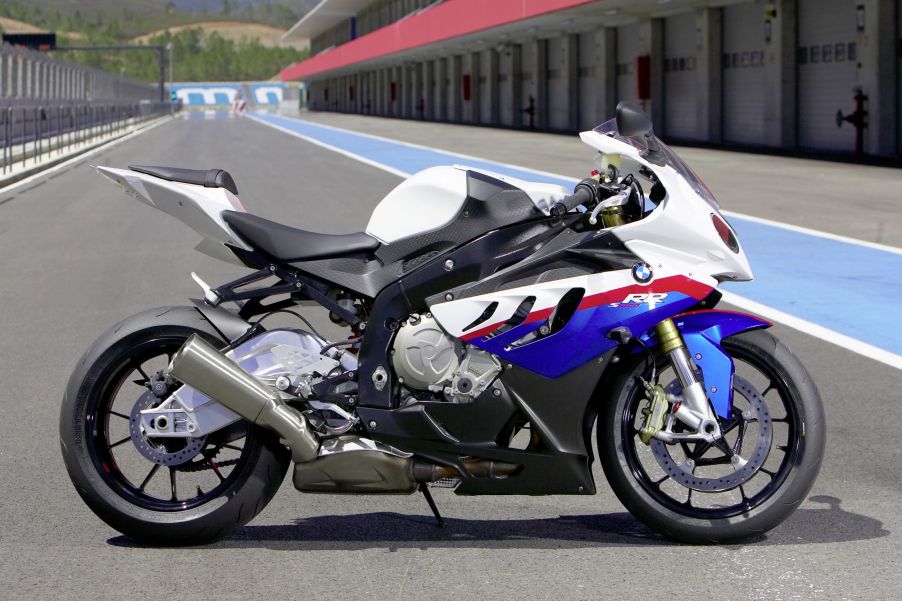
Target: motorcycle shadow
x: 825, y: 523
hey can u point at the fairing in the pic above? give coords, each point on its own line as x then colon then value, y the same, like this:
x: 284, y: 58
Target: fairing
x: 609, y: 300
x: 678, y: 234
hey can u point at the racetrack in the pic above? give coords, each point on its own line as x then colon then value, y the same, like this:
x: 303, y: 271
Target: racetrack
x: 77, y: 255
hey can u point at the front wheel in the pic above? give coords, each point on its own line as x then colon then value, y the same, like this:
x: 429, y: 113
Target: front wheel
x: 702, y: 493
x: 178, y: 491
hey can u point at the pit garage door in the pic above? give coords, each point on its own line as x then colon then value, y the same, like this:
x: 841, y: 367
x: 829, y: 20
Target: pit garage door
x: 827, y: 59
x: 628, y: 48
x: 743, y: 74
x: 528, y: 79
x: 486, y: 72
x: 506, y: 86
x: 590, y: 66
x: 680, y: 77
x: 558, y: 94
x: 469, y: 91
x: 454, y: 69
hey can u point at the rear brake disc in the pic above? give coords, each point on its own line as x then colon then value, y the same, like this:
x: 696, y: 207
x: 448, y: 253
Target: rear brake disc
x: 162, y: 451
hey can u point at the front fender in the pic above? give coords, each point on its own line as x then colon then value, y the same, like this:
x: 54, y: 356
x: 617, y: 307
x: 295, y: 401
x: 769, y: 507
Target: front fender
x: 703, y: 332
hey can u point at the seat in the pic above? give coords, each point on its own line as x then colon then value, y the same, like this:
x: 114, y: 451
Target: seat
x: 208, y: 178
x: 291, y: 244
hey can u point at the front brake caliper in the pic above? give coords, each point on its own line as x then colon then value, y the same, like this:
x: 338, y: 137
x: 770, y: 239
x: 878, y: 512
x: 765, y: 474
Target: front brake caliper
x: 655, y: 413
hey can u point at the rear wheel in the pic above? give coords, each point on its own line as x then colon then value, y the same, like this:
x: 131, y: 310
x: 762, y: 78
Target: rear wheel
x: 175, y: 491
x: 739, y: 488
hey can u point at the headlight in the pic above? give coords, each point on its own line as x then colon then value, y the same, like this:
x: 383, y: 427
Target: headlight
x: 725, y: 232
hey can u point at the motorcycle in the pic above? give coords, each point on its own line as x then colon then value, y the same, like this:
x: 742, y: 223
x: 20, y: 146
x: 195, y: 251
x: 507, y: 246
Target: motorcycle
x: 492, y: 323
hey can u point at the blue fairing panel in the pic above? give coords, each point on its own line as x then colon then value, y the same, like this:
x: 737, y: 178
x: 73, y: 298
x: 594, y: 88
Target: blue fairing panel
x: 703, y: 332
x: 582, y: 339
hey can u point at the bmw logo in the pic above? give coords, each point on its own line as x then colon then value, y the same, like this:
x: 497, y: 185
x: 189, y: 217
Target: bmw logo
x: 642, y: 272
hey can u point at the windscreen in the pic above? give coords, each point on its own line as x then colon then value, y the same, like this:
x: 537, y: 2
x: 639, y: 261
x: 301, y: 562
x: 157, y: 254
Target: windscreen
x: 661, y: 155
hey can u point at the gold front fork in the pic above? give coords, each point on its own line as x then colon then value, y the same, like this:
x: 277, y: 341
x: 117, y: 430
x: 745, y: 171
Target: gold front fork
x: 669, y: 336
x: 693, y: 390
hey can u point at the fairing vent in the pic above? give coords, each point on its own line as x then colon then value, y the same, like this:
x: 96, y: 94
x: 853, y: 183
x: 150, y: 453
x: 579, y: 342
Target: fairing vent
x: 489, y: 311
x: 559, y: 318
x: 516, y: 319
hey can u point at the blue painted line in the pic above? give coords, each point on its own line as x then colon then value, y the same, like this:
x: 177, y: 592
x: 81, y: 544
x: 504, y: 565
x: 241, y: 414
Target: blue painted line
x: 851, y: 289
x: 400, y: 156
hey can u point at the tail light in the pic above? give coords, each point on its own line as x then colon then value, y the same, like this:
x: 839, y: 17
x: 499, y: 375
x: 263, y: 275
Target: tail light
x: 725, y: 232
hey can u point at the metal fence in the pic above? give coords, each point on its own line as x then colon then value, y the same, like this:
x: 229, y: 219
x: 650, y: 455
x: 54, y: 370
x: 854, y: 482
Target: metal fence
x: 51, y: 105
x: 28, y: 131
x: 30, y: 75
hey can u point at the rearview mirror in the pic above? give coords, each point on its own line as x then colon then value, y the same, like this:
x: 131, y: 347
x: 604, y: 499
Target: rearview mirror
x: 632, y: 120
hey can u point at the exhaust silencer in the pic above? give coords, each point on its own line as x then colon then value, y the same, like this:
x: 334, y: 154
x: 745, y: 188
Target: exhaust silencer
x: 200, y: 365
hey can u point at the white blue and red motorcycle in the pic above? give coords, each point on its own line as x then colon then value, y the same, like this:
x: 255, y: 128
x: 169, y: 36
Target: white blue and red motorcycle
x: 492, y: 324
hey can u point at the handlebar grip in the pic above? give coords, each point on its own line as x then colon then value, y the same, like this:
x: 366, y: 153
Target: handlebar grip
x: 583, y: 193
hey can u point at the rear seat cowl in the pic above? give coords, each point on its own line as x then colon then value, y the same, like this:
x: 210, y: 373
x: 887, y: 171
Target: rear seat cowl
x: 209, y: 178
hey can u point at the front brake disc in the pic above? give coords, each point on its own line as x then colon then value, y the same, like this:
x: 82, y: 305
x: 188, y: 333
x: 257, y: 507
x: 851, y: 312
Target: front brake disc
x: 743, y: 469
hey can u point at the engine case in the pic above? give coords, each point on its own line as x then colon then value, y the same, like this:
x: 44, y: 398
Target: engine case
x: 426, y: 358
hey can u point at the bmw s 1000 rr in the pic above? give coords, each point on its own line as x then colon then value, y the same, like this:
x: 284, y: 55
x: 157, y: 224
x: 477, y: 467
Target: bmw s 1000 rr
x: 492, y: 324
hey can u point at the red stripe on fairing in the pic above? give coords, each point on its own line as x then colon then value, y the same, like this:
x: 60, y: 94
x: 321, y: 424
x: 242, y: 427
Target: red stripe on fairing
x: 482, y: 331
x: 674, y: 283
x: 450, y: 19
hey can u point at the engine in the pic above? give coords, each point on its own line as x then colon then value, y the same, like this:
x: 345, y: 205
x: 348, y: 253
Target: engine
x: 427, y: 359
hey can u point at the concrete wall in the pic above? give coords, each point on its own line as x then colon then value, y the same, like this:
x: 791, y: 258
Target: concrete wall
x: 749, y: 73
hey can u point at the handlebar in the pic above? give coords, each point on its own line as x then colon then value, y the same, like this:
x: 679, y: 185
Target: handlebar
x: 584, y: 192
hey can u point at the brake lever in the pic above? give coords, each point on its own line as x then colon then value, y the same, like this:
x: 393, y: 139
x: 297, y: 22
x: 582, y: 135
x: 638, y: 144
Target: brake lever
x: 614, y: 201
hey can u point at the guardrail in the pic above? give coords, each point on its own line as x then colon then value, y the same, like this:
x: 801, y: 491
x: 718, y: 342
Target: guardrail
x: 28, y: 131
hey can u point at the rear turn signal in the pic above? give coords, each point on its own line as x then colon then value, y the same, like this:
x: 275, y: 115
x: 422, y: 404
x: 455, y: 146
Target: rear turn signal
x: 725, y: 232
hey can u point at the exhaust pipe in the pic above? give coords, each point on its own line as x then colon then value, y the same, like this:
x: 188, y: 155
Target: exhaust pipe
x: 200, y: 365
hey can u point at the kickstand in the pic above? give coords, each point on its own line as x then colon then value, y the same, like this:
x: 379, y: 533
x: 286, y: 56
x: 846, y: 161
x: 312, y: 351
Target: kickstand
x: 438, y: 517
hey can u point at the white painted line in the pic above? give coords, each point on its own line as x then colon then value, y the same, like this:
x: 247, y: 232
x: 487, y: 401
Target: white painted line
x: 80, y: 157
x: 817, y: 233
x: 812, y: 329
x: 429, y: 148
x: 780, y: 224
x: 352, y: 155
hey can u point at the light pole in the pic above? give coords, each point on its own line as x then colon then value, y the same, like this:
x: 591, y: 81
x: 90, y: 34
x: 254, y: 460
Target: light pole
x: 171, y: 90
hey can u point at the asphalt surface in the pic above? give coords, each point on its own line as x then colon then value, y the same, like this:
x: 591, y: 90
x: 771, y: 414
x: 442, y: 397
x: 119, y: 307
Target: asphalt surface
x: 845, y: 198
x: 77, y: 255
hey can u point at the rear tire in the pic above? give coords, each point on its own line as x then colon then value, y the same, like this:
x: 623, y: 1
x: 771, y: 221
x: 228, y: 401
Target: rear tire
x: 242, y: 491
x: 718, y: 524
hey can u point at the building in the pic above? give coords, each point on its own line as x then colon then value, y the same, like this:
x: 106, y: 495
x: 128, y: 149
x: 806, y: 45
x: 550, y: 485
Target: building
x: 781, y: 74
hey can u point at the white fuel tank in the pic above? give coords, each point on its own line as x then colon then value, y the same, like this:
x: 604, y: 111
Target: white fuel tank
x: 431, y: 199
x: 425, y: 202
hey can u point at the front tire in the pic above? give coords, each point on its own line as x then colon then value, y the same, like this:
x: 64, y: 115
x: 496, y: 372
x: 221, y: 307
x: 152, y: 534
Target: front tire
x: 236, y: 473
x: 671, y: 505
